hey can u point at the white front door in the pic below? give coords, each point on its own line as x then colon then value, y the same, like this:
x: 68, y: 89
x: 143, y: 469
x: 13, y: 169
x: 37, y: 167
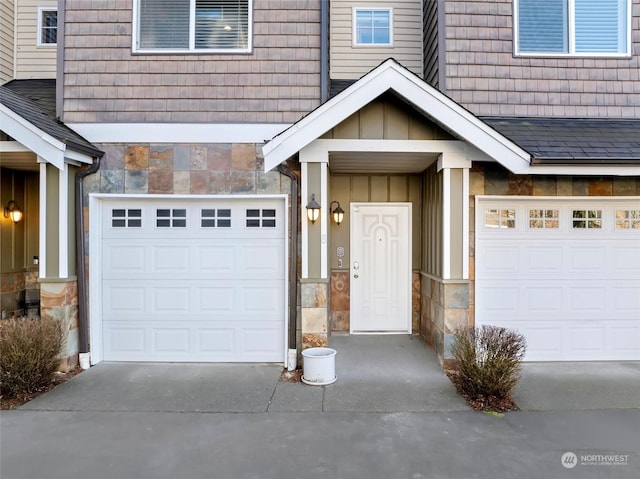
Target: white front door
x: 380, y: 268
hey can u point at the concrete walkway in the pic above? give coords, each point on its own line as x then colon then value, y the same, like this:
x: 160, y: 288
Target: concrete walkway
x: 391, y: 414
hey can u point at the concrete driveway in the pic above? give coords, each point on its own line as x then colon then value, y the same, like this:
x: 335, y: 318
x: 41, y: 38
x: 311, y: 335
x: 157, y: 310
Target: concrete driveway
x: 391, y: 414
x: 396, y: 373
x: 375, y: 374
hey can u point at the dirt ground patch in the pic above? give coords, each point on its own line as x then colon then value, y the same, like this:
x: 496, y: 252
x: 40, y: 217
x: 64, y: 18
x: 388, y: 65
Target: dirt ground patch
x: 485, y: 404
x: 14, y: 402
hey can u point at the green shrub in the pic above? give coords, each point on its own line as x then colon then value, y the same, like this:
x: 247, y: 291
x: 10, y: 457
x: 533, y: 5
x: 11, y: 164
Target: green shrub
x: 29, y: 354
x: 488, y: 360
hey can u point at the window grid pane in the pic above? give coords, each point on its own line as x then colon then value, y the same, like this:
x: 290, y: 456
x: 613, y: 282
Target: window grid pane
x: 627, y: 219
x: 49, y: 31
x: 373, y: 27
x: 587, y: 219
x: 500, y: 218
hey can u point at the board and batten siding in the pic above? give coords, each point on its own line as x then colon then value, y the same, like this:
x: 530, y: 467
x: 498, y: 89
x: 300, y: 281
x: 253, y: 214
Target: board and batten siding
x: 277, y: 82
x: 33, y: 61
x: 7, y: 44
x: 349, y: 62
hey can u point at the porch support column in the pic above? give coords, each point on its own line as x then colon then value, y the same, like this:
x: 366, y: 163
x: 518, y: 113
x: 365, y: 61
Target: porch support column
x: 58, y: 290
x: 453, y: 291
x: 314, y: 282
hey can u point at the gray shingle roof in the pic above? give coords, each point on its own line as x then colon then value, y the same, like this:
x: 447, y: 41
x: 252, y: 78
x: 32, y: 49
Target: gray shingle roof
x: 573, y: 141
x: 34, y: 100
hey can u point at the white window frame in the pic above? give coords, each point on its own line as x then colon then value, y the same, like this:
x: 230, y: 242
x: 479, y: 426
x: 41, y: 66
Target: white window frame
x: 39, y: 41
x: 572, y: 37
x: 354, y: 15
x: 191, y: 50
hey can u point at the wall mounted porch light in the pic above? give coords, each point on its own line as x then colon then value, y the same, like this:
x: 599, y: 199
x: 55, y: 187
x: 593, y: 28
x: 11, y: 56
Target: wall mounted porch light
x: 13, y: 211
x: 313, y: 209
x: 338, y: 213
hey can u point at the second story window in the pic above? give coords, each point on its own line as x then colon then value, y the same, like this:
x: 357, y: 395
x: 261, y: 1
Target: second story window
x: 47, y: 26
x: 216, y: 26
x: 372, y: 27
x: 572, y: 27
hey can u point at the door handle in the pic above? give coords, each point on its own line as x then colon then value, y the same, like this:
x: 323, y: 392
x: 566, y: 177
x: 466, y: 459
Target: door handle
x: 355, y: 276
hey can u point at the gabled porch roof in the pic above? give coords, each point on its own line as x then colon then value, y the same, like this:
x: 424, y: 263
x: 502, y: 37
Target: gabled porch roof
x: 390, y: 75
x: 34, y: 128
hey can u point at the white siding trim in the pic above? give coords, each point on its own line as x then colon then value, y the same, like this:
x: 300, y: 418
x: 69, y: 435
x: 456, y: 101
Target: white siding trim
x: 304, y: 222
x: 465, y: 223
x: 63, y: 222
x: 178, y: 132
x: 43, y: 219
x: 324, y: 219
x: 446, y: 226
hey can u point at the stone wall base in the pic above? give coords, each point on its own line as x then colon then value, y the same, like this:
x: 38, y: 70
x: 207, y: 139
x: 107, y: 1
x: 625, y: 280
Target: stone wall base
x: 59, y: 302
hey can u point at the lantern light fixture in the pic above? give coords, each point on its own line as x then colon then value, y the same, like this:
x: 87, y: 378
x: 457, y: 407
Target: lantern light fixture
x: 313, y: 209
x: 13, y: 211
x: 337, y: 213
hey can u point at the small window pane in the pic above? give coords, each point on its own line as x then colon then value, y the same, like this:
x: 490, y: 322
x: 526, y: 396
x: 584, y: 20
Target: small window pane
x: 208, y: 223
x: 500, y: 218
x: 544, y: 219
x: 163, y: 223
x: 163, y: 213
x: 269, y: 223
x: 372, y: 27
x: 586, y: 219
x: 135, y: 223
x: 224, y: 223
x: 253, y: 213
x: 208, y: 213
x: 253, y: 223
x: 179, y: 223
x: 180, y: 213
x: 627, y: 219
x: 118, y: 223
x: 118, y: 213
x: 135, y: 213
x: 224, y: 213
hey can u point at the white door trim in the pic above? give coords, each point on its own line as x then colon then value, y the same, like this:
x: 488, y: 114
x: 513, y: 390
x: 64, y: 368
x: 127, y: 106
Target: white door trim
x: 95, y: 261
x: 355, y: 252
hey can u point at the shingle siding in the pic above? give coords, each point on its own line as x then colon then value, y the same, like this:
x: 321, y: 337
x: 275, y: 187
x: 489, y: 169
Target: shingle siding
x: 279, y: 81
x: 484, y: 75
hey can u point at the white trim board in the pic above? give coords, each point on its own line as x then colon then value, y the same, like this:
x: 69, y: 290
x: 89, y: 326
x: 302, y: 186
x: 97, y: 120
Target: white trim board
x: 178, y: 132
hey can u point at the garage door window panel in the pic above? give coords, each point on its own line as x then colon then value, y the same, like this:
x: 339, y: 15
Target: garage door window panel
x: 126, y: 218
x: 627, y: 219
x: 587, y: 219
x: 212, y: 218
x: 500, y: 218
x: 171, y: 218
x: 261, y: 218
x: 544, y: 219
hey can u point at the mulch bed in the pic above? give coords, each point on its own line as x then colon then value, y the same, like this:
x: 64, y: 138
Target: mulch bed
x: 14, y: 402
x: 485, y: 404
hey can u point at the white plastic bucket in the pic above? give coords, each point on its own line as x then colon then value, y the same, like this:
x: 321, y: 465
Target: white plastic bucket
x: 319, y: 366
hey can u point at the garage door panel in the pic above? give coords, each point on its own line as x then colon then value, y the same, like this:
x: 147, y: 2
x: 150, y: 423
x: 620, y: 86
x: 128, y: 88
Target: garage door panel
x: 572, y: 290
x: 209, y: 286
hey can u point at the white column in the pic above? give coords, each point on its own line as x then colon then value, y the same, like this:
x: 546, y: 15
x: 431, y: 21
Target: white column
x: 42, y: 247
x: 63, y: 222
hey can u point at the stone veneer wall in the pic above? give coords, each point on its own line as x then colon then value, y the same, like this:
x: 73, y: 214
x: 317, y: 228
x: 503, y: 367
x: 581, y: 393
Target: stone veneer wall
x: 59, y: 301
x: 314, y: 314
x: 340, y: 301
x: 15, y: 289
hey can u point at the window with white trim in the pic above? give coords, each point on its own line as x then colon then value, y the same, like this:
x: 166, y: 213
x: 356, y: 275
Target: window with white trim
x: 47, y: 26
x: 572, y: 27
x: 215, y: 26
x: 500, y: 218
x: 627, y: 219
x: 544, y: 219
x: 372, y: 26
x: 587, y: 219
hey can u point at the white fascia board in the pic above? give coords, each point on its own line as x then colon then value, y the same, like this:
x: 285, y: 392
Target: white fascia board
x: 392, y: 76
x: 33, y: 138
x: 178, y: 132
x: 453, y: 147
x: 73, y: 157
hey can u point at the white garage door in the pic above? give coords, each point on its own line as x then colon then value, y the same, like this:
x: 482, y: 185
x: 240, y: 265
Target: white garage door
x: 193, y: 279
x: 565, y: 273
